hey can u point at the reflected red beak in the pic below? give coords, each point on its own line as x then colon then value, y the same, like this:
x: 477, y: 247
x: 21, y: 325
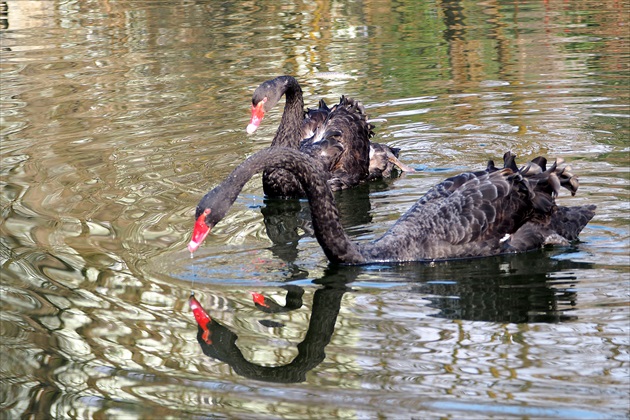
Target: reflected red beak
x: 201, y: 316
x: 259, y: 299
x: 200, y: 232
x: 257, y: 115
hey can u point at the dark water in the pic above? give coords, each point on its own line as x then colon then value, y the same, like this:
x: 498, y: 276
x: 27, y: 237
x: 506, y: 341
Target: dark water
x: 118, y: 116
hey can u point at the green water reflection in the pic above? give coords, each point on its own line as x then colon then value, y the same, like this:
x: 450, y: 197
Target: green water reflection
x: 117, y: 116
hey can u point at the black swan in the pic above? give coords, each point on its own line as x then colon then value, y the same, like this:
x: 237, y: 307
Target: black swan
x: 338, y: 138
x: 474, y: 214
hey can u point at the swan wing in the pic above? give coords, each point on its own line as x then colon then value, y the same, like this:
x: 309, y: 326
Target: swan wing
x: 342, y: 141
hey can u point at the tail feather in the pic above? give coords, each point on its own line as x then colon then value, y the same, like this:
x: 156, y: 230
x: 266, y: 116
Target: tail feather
x: 568, y: 222
x: 509, y: 161
x: 540, y: 161
x: 551, y: 223
x: 562, y: 228
x: 548, y: 181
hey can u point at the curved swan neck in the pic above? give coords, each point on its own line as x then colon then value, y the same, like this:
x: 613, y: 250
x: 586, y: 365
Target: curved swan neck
x: 471, y: 215
x: 289, y: 132
x: 328, y: 229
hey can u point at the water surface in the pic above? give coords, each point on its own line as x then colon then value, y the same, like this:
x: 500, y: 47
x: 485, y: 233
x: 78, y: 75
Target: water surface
x: 118, y: 116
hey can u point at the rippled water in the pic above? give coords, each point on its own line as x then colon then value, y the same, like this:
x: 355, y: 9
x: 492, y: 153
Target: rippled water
x: 118, y: 116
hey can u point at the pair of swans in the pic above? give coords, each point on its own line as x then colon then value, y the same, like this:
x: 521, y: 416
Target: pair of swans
x: 494, y: 211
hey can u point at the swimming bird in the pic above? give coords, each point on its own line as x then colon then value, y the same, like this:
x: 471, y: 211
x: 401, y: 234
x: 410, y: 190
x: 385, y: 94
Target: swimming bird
x: 474, y: 214
x: 338, y: 138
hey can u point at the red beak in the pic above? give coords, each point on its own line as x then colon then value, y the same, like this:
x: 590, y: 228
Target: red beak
x: 200, y: 232
x: 201, y: 316
x: 257, y: 115
x: 259, y: 299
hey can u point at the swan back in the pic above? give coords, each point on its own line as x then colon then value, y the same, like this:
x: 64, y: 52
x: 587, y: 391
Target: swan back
x: 474, y: 214
x: 341, y: 141
x: 481, y: 213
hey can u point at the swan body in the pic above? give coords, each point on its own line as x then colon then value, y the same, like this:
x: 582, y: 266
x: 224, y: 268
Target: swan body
x: 338, y: 138
x: 474, y: 214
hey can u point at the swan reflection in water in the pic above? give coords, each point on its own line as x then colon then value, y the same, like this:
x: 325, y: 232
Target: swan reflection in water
x: 219, y: 342
x: 532, y: 287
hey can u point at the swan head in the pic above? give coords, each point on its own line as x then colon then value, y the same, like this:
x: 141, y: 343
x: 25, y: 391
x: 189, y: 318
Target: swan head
x: 267, y: 95
x: 211, y: 209
x: 262, y: 104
